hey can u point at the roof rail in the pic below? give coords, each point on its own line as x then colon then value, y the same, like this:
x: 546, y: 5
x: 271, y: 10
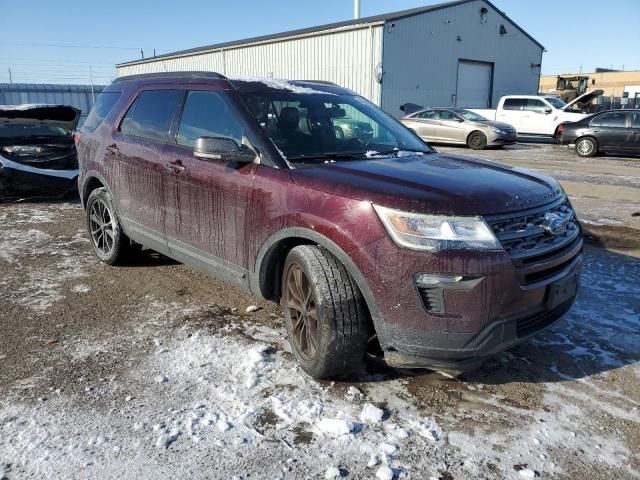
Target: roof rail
x: 160, y: 75
x: 321, y: 82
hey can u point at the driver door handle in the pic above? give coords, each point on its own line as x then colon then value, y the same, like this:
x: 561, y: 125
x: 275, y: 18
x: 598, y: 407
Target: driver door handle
x: 176, y: 166
x: 113, y: 148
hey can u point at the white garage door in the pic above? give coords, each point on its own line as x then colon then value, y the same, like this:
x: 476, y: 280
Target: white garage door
x: 474, y: 85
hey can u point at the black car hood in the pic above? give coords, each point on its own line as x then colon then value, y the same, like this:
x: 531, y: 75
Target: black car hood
x: 55, y: 115
x: 433, y: 183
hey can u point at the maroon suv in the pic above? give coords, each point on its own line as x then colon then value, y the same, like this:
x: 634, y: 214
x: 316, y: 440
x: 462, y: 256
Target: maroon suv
x: 373, y: 245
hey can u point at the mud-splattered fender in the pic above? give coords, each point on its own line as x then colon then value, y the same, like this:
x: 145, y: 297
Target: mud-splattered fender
x: 257, y: 278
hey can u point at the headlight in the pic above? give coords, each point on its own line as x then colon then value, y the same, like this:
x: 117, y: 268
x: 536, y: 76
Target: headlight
x: 497, y: 130
x: 436, y: 232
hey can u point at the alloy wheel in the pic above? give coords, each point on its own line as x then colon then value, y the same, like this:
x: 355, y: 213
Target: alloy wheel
x: 584, y: 147
x: 102, y: 227
x: 301, y: 304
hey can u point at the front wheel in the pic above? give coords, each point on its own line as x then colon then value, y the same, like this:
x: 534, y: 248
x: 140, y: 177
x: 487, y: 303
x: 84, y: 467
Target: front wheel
x: 586, y: 147
x: 325, y: 314
x: 477, y: 141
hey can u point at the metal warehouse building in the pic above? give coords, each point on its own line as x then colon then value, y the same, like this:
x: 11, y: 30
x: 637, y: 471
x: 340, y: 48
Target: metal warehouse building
x: 465, y: 53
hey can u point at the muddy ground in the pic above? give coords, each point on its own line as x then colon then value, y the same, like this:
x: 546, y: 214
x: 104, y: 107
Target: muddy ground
x: 155, y: 370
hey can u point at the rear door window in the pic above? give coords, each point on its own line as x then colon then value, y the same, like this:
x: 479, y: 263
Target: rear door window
x: 613, y: 119
x: 513, y: 104
x: 102, y: 107
x: 207, y: 114
x: 151, y: 114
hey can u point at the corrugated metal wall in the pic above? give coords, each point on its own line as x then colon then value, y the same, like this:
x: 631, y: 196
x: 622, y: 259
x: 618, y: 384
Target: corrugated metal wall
x: 421, y: 55
x: 79, y: 96
x: 346, y: 56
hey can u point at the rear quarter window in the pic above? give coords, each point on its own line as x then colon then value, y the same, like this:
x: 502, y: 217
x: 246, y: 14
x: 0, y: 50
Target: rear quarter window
x: 104, y: 104
x: 151, y: 114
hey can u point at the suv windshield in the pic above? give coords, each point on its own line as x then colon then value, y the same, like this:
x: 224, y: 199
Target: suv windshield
x: 317, y: 126
x: 31, y: 130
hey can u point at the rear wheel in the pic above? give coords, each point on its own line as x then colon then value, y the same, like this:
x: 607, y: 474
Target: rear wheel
x: 324, y: 313
x: 477, y: 141
x: 109, y: 242
x: 586, y: 147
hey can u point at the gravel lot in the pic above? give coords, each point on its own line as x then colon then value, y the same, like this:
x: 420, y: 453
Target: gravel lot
x: 154, y: 370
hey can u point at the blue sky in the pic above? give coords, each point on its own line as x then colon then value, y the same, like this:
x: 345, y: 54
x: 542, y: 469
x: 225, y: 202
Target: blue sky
x: 98, y: 34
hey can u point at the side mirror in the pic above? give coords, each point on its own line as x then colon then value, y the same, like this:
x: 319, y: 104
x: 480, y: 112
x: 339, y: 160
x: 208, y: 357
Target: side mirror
x: 547, y: 111
x: 223, y: 148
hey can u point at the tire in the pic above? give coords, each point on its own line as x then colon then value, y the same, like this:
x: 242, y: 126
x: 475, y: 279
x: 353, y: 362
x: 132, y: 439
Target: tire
x: 477, y: 141
x: 340, y: 332
x: 339, y: 133
x: 109, y: 242
x: 586, y: 147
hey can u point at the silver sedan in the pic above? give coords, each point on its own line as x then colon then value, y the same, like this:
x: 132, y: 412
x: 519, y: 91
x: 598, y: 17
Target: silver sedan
x: 459, y: 127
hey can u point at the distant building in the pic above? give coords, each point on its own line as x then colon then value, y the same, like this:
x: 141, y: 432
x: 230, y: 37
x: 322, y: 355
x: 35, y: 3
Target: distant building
x: 464, y: 53
x: 79, y: 96
x: 615, y: 84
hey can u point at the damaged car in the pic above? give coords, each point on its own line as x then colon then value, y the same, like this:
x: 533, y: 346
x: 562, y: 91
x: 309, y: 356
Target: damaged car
x: 37, y: 151
x: 374, y: 247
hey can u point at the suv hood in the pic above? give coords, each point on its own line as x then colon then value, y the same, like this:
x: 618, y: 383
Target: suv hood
x: 54, y: 115
x: 583, y: 99
x: 433, y: 183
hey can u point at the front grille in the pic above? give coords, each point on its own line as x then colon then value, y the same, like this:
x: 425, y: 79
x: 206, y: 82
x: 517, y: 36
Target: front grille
x: 48, y: 156
x: 536, y: 253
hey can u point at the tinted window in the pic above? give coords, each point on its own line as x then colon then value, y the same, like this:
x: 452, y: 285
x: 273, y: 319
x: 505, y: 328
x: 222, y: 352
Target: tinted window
x: 614, y: 119
x: 151, y: 114
x: 207, y: 114
x: 635, y: 119
x: 534, y: 105
x: 101, y: 109
x: 427, y: 114
x: 513, y: 104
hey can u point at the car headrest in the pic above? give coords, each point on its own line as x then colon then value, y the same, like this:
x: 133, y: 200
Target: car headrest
x: 289, y: 118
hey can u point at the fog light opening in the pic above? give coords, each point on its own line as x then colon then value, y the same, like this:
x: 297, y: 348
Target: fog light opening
x: 427, y: 280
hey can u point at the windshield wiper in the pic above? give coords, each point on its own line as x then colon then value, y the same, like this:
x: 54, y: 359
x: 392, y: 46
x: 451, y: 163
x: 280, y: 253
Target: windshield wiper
x: 397, y: 152
x: 330, y: 156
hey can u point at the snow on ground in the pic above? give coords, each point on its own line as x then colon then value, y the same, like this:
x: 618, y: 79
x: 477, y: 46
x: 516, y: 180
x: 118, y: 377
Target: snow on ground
x: 41, y: 287
x: 182, y: 389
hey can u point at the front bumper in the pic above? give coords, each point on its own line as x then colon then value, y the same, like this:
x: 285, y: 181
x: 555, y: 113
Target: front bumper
x: 499, y: 140
x: 494, y: 314
x: 17, y: 179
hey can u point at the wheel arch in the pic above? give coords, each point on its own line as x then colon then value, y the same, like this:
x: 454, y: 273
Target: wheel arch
x: 90, y: 182
x: 267, y: 277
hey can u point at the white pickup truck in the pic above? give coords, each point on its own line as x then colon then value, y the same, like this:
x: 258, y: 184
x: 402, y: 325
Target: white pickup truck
x: 535, y: 114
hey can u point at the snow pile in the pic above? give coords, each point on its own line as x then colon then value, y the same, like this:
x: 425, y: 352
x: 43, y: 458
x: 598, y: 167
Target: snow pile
x: 371, y: 414
x: 335, y: 426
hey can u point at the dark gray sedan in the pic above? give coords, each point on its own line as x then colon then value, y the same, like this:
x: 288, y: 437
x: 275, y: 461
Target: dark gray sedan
x: 459, y: 127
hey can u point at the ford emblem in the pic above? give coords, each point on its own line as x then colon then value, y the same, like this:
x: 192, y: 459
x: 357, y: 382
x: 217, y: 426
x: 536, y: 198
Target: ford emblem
x: 554, y: 223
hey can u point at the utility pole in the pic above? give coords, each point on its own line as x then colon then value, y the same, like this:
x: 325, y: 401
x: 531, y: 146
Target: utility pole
x: 93, y: 95
x: 10, y: 77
